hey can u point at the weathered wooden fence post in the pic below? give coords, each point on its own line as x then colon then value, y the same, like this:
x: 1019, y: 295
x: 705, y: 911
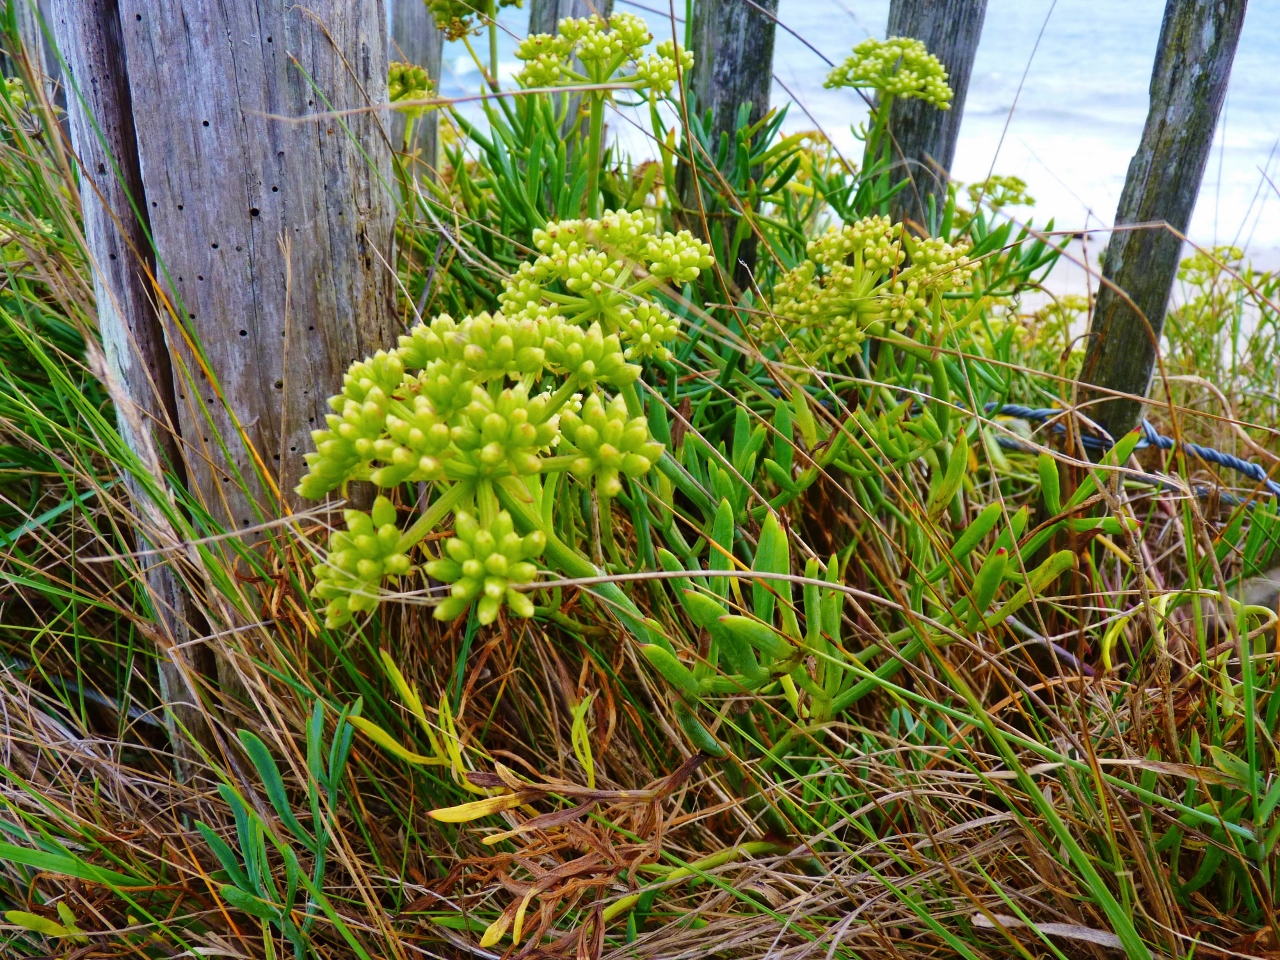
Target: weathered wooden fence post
x: 272, y: 220
x: 416, y: 39
x: 234, y: 137
x: 116, y: 232
x: 924, y: 137
x: 1193, y: 64
x: 732, y: 46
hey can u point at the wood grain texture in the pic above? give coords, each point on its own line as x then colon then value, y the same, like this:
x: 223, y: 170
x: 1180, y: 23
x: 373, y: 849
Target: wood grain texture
x: 732, y: 46
x: 416, y: 39
x: 272, y: 222
x: 133, y: 339
x: 1193, y: 64
x: 925, y: 137
x: 545, y: 14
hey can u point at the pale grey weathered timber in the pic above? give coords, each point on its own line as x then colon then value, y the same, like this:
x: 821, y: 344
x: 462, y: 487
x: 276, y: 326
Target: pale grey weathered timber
x: 545, y: 14
x: 1193, y: 64
x: 273, y: 224
x: 133, y: 339
x: 924, y: 137
x: 732, y: 46
x: 416, y: 39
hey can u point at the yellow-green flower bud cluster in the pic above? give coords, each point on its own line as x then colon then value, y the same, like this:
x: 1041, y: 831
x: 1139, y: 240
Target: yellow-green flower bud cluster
x: 457, y: 18
x: 588, y: 357
x: 602, y: 271
x: 606, y: 443
x: 857, y: 276
x: 17, y: 92
x: 945, y: 264
x: 899, y: 67
x: 354, y: 428
x: 602, y: 48
x: 505, y: 435
x: 486, y: 563
x: 359, y: 559
x: 659, y: 71
x: 647, y: 330
x: 475, y: 405
x: 406, y: 81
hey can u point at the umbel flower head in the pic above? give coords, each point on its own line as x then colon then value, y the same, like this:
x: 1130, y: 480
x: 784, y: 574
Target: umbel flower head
x: 487, y: 562
x: 457, y: 18
x: 605, y: 442
x: 360, y: 558
x: 855, y: 279
x: 604, y: 50
x: 897, y: 67
x: 603, y: 271
x: 482, y: 407
x: 407, y: 82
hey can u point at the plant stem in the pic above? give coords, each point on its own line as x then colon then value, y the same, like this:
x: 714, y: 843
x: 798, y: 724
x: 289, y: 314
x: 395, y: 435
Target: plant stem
x: 434, y: 514
x: 594, y: 135
x: 755, y: 847
x: 493, y: 43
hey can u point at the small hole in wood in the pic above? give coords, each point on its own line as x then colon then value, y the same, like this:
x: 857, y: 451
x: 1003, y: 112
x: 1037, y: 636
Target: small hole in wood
x: 102, y: 168
x: 137, y: 16
x: 275, y: 189
x: 268, y: 39
x: 244, y: 333
x: 279, y: 384
x: 275, y: 456
x: 253, y: 211
x: 199, y: 277
x: 204, y: 123
x: 179, y: 206
x: 312, y: 327
x: 214, y: 245
x: 154, y: 203
x: 293, y: 449
x: 111, y: 255
x: 239, y: 248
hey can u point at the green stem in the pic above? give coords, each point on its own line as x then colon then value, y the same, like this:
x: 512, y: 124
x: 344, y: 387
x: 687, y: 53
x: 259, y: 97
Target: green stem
x: 493, y: 43
x: 434, y: 514
x: 697, y: 868
x: 594, y: 135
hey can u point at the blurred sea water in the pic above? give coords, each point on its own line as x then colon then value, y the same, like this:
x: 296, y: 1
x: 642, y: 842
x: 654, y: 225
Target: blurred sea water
x: 1058, y: 98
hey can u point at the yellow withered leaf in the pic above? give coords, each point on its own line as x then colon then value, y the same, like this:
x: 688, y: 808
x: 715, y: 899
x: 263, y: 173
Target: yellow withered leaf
x: 465, y: 812
x: 385, y: 740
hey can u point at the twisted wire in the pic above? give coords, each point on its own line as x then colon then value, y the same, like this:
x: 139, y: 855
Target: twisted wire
x: 1150, y: 438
